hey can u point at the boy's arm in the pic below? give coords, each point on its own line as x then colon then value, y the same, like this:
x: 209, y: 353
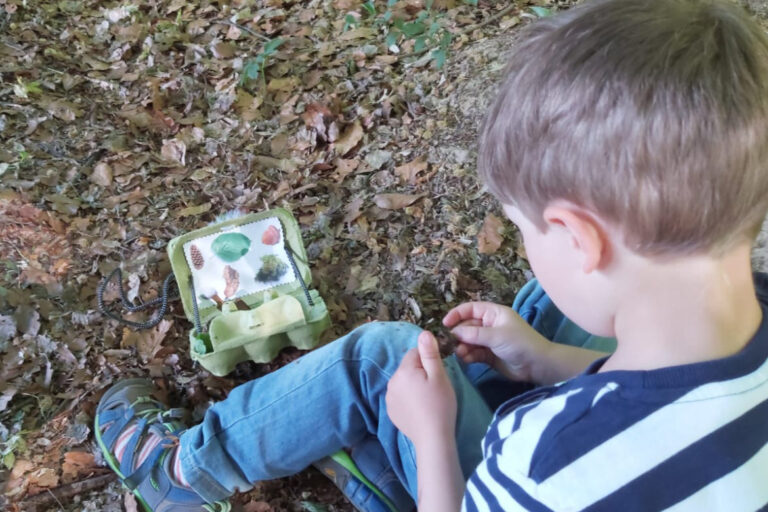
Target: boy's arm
x: 439, y: 477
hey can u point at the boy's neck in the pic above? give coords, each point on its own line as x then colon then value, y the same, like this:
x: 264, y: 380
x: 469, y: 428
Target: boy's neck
x: 685, y: 311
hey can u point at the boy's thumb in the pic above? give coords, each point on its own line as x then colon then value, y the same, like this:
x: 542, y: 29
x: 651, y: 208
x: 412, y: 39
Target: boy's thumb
x: 430, y: 354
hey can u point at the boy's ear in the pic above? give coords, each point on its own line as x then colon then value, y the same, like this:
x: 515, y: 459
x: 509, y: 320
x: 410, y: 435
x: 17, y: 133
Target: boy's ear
x: 587, y: 234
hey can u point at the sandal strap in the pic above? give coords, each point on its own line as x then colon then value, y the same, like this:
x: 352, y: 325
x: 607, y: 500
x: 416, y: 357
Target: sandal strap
x: 119, y: 419
x: 130, y: 452
x: 145, y: 468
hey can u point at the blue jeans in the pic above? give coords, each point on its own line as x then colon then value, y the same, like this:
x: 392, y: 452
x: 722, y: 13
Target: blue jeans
x: 333, y: 398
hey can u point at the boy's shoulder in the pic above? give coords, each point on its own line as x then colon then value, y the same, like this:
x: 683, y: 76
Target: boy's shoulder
x: 625, y: 435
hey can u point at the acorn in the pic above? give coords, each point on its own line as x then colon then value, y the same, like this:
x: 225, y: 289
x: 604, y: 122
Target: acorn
x: 270, y: 236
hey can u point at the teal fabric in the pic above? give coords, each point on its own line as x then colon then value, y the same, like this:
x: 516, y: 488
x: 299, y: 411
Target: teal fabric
x: 536, y: 308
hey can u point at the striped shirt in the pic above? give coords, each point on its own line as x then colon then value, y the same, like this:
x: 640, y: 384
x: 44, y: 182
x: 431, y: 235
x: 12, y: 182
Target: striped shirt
x: 685, y: 438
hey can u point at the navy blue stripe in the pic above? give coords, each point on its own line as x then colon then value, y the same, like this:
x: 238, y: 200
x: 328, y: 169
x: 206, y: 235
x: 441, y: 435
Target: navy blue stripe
x: 469, y: 503
x: 490, y: 499
x: 580, y: 427
x: 523, y: 498
x: 693, y: 468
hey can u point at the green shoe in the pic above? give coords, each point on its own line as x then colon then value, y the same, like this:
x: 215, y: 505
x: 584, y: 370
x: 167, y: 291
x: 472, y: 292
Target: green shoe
x: 344, y: 473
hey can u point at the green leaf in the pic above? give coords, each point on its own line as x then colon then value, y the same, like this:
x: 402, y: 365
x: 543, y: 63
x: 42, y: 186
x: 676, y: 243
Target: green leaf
x: 311, y: 506
x: 9, y: 460
x: 390, y: 3
x: 273, y: 45
x: 439, y: 56
x: 231, y: 246
x: 370, y: 8
x: 445, y: 40
x: 413, y: 29
x: 541, y: 12
x: 471, y: 2
x: 433, y: 28
x: 349, y: 21
x: 391, y: 38
x: 419, y: 45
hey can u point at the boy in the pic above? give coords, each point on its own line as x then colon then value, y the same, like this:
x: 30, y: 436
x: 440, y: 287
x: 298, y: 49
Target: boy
x: 629, y: 144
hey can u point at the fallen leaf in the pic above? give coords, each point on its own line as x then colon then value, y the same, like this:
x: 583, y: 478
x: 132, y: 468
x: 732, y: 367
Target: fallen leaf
x: 147, y: 342
x: 344, y: 168
x: 377, y: 158
x: 357, y: 33
x: 129, y: 500
x: 353, y: 209
x: 395, y: 201
x: 283, y: 84
x: 489, y: 238
x: 223, y: 50
x: 102, y: 174
x: 408, y: 172
x: 349, y: 139
x: 76, y: 464
x: 191, y: 211
x: 174, y: 150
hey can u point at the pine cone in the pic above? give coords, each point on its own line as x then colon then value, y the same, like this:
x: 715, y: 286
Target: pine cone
x: 196, y: 257
x: 232, y: 278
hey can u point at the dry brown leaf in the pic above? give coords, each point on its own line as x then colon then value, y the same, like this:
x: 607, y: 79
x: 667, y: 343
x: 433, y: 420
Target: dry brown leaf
x: 344, y: 168
x: 102, y: 174
x: 129, y: 500
x: 174, y: 150
x: 489, y: 238
x: 76, y: 464
x: 147, y: 342
x: 223, y: 50
x: 286, y: 84
x: 408, y: 172
x: 395, y: 201
x: 353, y: 209
x: 357, y: 33
x: 349, y: 139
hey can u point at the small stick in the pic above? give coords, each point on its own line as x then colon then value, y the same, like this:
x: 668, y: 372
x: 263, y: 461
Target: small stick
x: 446, y: 341
x: 66, y: 491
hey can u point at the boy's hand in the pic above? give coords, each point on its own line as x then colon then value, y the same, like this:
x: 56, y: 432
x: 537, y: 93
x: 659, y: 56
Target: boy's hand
x: 420, y: 399
x: 496, y: 335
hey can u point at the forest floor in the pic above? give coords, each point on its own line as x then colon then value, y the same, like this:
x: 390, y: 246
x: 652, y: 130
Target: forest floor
x: 126, y: 124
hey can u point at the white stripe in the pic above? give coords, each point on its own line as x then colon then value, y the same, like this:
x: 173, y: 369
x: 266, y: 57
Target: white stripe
x: 653, y: 440
x: 743, y: 489
x: 477, y: 498
x: 518, y: 448
x: 506, y: 500
x: 611, y: 386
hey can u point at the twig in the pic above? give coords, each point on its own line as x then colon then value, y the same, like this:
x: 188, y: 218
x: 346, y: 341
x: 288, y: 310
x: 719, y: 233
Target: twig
x: 245, y: 29
x: 66, y: 491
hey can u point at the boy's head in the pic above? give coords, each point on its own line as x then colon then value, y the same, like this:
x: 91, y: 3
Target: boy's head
x: 653, y: 114
x: 639, y: 121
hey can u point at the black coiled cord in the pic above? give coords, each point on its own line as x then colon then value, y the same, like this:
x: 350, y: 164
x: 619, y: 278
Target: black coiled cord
x: 162, y: 300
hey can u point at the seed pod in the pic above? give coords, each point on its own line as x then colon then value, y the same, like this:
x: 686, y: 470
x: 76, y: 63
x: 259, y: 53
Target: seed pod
x: 232, y: 279
x: 270, y: 236
x: 196, y: 256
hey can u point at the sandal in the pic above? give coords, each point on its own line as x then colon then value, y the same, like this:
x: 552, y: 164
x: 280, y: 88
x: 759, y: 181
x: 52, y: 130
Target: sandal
x: 151, y: 482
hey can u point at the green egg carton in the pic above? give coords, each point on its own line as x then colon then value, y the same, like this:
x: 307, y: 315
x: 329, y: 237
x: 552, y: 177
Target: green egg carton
x: 249, y: 308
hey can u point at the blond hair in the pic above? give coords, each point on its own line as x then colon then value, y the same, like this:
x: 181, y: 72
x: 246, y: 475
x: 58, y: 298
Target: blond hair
x: 652, y: 113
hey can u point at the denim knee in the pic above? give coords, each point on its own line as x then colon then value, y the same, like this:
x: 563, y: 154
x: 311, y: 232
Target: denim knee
x: 381, y: 342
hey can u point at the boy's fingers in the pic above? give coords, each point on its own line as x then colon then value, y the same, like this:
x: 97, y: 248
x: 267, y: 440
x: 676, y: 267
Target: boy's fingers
x: 430, y: 354
x: 483, y: 336
x: 411, y: 359
x: 482, y: 311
